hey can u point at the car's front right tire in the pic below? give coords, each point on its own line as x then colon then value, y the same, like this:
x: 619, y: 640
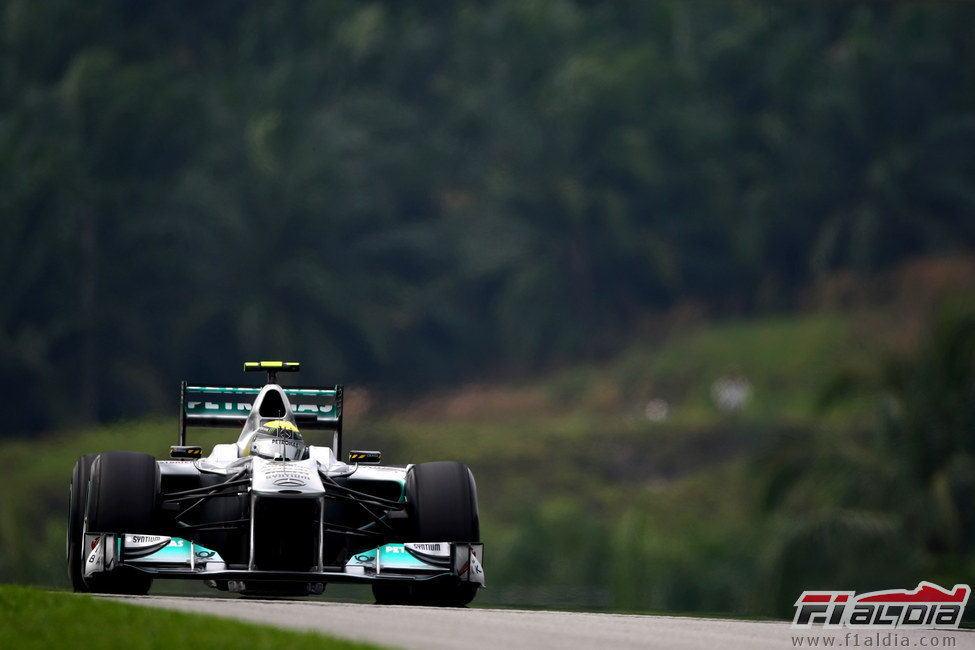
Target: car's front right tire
x: 122, y: 499
x: 77, y: 499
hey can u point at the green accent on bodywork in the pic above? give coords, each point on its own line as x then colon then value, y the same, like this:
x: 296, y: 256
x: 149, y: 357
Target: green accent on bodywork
x: 216, y: 400
x: 178, y: 552
x: 317, y: 392
x: 367, y: 558
x: 207, y: 407
x: 216, y: 408
x: 392, y: 557
x: 212, y: 389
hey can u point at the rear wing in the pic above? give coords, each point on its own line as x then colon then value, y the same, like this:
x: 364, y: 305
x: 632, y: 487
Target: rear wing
x: 228, y: 407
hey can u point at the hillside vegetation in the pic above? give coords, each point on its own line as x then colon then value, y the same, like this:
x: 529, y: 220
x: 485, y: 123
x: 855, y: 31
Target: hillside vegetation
x: 590, y: 499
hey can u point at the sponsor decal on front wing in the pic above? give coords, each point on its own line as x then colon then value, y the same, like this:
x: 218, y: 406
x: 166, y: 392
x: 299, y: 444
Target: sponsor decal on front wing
x: 142, y: 545
x: 151, y: 550
x: 437, y: 553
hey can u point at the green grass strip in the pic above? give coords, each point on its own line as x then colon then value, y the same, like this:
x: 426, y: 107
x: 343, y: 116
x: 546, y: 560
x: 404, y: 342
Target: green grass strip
x: 34, y: 618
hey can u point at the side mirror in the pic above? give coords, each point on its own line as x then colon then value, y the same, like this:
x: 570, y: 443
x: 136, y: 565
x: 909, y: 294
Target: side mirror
x: 184, y: 451
x: 365, y: 457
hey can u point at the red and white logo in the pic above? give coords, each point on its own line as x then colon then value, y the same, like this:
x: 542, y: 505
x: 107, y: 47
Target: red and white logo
x: 927, y: 607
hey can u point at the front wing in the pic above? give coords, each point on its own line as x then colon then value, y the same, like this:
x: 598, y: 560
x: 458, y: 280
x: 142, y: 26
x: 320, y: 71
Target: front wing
x: 174, y: 557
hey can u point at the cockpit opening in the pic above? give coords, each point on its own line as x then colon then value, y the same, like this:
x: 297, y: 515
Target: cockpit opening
x: 272, y: 406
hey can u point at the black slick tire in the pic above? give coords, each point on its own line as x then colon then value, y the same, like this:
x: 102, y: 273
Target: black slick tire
x: 122, y: 499
x: 77, y: 499
x: 442, y: 504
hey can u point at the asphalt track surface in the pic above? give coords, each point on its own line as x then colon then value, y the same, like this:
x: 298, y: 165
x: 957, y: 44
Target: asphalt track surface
x: 502, y: 629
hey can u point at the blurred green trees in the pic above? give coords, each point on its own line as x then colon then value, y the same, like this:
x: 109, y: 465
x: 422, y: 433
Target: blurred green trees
x: 858, y: 504
x: 891, y: 502
x: 412, y: 193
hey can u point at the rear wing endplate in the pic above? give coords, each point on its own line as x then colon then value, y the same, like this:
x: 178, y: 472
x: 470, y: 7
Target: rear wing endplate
x: 228, y: 407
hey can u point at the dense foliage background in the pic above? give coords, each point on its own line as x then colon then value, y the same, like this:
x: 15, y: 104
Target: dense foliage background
x: 420, y: 192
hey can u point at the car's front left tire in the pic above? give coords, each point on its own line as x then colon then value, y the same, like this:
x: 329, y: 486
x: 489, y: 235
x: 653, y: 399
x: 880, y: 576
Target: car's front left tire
x: 442, y: 503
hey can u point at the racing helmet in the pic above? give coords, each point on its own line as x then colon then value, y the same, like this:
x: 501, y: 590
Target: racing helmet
x: 278, y: 440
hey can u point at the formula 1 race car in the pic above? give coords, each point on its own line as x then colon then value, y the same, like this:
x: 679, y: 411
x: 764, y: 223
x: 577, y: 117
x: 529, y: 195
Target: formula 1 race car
x: 270, y: 515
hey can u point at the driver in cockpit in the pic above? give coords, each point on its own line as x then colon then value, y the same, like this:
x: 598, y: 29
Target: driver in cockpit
x: 276, y: 440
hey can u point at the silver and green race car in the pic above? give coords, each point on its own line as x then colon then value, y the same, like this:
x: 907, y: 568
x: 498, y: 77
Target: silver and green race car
x: 270, y: 515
